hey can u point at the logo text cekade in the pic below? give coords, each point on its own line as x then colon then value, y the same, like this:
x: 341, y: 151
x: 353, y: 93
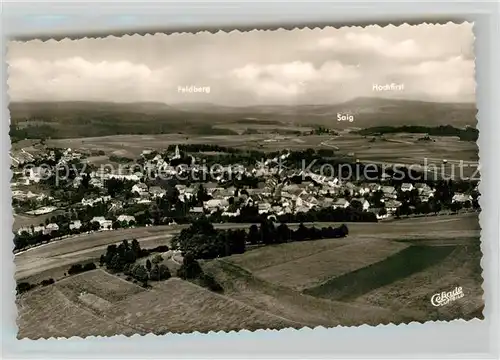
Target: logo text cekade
x: 444, y: 298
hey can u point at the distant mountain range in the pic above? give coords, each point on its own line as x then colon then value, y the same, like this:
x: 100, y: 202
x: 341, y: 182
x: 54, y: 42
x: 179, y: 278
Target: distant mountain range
x: 83, y: 119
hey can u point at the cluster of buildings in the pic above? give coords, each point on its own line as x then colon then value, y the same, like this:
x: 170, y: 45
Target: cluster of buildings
x: 273, y: 197
x: 44, y: 229
x: 275, y: 194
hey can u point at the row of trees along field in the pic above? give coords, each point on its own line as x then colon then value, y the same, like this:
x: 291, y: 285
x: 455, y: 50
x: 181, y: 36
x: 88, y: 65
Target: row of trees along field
x: 467, y: 134
x: 24, y: 286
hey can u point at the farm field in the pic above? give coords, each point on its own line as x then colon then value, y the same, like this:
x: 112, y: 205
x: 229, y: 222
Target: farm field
x: 391, y: 266
x: 97, y: 303
x: 381, y: 273
x: 84, y: 247
x: 47, y: 312
x: 242, y: 285
x: 320, y: 267
x: 54, y: 258
x: 179, y: 306
x: 460, y: 268
x: 411, y: 229
x: 396, y: 148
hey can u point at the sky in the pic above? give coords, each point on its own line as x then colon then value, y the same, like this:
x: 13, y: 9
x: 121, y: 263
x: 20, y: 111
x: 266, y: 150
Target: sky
x: 318, y: 66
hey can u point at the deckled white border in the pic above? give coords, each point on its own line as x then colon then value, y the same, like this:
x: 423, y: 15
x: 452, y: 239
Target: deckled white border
x: 434, y: 339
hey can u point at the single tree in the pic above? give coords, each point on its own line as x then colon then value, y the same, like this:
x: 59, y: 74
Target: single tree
x: 163, y: 272
x: 157, y: 259
x: 140, y: 273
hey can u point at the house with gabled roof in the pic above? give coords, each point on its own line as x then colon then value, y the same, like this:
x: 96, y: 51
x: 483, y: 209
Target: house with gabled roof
x: 406, y: 187
x: 340, y: 203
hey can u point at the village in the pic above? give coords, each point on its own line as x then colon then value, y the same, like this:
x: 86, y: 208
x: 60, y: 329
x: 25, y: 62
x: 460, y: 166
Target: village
x: 274, y: 193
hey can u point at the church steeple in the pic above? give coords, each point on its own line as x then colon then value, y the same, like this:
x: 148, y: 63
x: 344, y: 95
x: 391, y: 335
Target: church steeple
x: 177, y: 153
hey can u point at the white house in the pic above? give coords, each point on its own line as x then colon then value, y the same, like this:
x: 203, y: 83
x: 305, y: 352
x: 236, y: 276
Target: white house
x: 423, y: 188
x: 37, y: 174
x: 181, y: 188
x: 461, y: 198
x: 24, y: 230
x: 406, y: 187
x: 37, y: 229
x: 92, y: 202
x: 132, y: 177
x: 311, y: 201
x: 49, y: 228
x: 214, y: 204
x: 103, y: 223
x: 264, y: 207
x: 75, y: 225
x: 77, y: 181
x: 97, y: 182
x: 157, y: 192
x: 125, y: 218
x: 374, y: 187
x: 142, y: 201
x: 141, y: 189
x: 333, y: 182
x: 392, y: 205
x: 231, y: 214
x: 363, y: 190
x: 196, y: 210
x: 389, y: 191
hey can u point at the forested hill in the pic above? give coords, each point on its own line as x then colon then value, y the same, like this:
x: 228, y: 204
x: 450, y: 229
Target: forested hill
x: 88, y: 119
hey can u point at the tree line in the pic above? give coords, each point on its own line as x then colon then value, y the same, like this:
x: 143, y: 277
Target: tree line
x: 123, y: 257
x: 467, y: 134
x: 202, y: 241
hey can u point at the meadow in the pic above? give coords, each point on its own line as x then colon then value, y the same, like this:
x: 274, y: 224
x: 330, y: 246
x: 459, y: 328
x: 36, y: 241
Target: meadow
x: 379, y: 274
x: 117, y: 306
